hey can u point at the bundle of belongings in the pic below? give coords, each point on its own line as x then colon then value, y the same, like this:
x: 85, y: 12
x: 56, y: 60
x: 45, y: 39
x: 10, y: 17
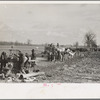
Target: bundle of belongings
x: 18, y: 68
x: 8, y: 74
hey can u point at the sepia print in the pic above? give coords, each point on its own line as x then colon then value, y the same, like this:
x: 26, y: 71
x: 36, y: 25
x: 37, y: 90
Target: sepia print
x: 49, y: 43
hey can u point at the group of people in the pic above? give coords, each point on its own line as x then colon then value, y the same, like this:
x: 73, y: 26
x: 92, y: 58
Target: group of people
x: 22, y: 62
x: 18, y: 61
x: 55, y: 53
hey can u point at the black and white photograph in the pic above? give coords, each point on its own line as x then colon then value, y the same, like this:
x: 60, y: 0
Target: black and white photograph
x: 50, y: 43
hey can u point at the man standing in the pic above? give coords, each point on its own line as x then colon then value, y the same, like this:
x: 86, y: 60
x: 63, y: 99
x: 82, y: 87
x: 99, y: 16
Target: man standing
x: 33, y: 56
x: 20, y: 61
x: 3, y: 60
x: 26, y: 60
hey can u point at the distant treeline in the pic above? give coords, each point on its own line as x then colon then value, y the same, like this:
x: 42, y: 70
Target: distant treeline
x: 84, y: 49
x: 12, y: 43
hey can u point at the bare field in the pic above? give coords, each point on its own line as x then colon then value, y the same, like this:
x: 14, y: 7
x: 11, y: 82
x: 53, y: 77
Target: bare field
x: 85, y: 69
x: 76, y: 70
x: 24, y: 49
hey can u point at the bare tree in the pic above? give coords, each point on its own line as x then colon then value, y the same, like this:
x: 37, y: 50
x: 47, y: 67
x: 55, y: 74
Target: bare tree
x: 29, y: 41
x: 58, y: 45
x: 90, y: 40
x: 76, y: 45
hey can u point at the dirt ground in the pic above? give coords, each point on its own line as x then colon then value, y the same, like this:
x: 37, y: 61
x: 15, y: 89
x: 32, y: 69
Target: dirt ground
x: 81, y: 69
x: 77, y: 70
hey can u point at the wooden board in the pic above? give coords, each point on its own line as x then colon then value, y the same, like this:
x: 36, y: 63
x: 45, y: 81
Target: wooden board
x: 33, y: 74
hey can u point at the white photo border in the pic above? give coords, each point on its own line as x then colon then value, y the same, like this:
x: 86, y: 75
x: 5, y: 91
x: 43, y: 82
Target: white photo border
x: 52, y: 90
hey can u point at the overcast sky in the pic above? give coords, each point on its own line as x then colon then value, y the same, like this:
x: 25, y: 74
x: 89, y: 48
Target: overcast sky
x: 58, y: 23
